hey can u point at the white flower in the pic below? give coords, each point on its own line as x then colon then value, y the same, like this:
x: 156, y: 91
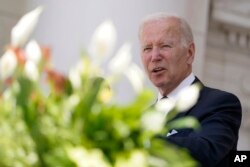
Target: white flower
x: 8, y: 64
x: 122, y: 60
x: 84, y: 158
x: 72, y: 101
x: 165, y: 105
x: 23, y: 29
x: 31, y: 71
x: 77, y: 155
x: 103, y: 41
x: 153, y: 121
x: 32, y: 158
x: 105, y: 95
x: 75, y: 78
x: 187, y: 97
x: 136, y: 77
x: 33, y: 52
x: 75, y: 75
x: 136, y: 159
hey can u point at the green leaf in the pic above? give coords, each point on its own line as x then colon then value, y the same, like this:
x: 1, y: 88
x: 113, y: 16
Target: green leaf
x: 26, y: 87
x: 185, y: 122
x: 58, y: 156
x: 89, y: 99
x: 171, y: 114
x: 165, y: 154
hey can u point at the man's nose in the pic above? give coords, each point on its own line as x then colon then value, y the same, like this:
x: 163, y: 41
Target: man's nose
x: 156, y: 55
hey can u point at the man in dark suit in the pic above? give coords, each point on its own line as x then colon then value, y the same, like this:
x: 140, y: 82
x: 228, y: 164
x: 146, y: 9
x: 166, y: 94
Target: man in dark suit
x: 167, y: 53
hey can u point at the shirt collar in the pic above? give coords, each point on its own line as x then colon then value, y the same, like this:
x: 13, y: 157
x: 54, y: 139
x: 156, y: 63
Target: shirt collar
x: 186, y: 82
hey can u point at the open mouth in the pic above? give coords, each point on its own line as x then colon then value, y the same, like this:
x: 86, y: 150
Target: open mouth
x: 158, y: 69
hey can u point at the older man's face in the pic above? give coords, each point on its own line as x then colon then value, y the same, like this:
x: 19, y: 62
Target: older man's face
x: 165, y: 59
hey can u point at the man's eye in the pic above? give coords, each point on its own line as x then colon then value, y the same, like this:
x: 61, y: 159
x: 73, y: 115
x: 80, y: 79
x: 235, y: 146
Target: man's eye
x: 146, y: 49
x: 166, y: 46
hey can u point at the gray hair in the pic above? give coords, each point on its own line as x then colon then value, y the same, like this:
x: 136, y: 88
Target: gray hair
x: 186, y: 32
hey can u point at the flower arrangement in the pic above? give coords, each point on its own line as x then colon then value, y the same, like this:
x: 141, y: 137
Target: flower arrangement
x: 51, y: 119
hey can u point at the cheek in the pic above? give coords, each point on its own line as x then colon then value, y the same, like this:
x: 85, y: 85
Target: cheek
x: 178, y: 65
x: 185, y: 58
x: 174, y: 64
x: 179, y: 58
x: 145, y: 61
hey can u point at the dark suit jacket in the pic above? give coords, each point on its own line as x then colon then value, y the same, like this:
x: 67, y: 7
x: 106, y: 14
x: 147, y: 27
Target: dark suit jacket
x: 219, y: 114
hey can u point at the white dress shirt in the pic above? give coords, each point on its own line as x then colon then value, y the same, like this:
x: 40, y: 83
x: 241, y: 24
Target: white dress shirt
x: 185, y: 83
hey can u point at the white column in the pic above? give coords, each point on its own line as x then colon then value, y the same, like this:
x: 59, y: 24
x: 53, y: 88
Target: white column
x: 68, y: 25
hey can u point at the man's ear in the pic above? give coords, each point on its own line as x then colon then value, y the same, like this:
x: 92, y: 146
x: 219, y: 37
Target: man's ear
x: 191, y: 52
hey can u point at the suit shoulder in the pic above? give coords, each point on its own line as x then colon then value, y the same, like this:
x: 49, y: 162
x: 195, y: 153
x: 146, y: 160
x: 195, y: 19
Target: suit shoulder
x: 218, y: 94
x: 214, y: 93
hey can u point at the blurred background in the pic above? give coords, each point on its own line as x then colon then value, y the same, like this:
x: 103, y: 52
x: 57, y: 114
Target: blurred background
x: 221, y: 29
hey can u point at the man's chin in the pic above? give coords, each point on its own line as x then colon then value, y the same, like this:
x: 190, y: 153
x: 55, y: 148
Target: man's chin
x: 159, y: 84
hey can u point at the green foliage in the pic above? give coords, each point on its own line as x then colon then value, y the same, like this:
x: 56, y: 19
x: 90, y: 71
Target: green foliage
x: 48, y: 119
x: 39, y: 129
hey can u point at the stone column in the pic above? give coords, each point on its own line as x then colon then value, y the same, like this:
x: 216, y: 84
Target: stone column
x: 227, y: 58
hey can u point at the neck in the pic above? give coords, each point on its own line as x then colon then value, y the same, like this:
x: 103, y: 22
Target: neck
x: 173, y: 85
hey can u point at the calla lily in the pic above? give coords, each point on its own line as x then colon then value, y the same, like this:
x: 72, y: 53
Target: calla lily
x: 75, y: 78
x: 137, y: 158
x: 136, y: 77
x: 33, y: 52
x: 31, y: 71
x: 84, y: 158
x: 23, y: 29
x: 122, y: 60
x: 105, y: 95
x: 8, y: 64
x: 69, y: 106
x: 153, y: 121
x: 103, y: 41
x: 77, y: 155
x: 187, y: 97
x: 164, y: 106
x: 75, y: 75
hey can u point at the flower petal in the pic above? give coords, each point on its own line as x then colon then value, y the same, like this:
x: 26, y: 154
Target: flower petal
x: 75, y: 78
x: 31, y: 71
x: 153, y: 121
x: 8, y: 64
x: 164, y: 106
x: 103, y: 41
x: 33, y: 52
x: 122, y: 59
x: 23, y: 29
x: 187, y: 97
x: 136, y: 77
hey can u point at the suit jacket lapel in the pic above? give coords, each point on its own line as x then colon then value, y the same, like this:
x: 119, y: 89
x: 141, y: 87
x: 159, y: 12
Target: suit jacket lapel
x: 196, y: 81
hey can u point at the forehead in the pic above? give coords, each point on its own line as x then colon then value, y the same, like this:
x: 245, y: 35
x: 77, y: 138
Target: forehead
x: 160, y: 27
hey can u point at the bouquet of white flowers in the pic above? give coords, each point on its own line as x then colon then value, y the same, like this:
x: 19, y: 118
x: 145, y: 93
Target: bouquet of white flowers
x: 51, y: 119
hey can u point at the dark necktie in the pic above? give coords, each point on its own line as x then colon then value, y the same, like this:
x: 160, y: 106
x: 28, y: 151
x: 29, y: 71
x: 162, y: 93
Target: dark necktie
x: 164, y: 97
